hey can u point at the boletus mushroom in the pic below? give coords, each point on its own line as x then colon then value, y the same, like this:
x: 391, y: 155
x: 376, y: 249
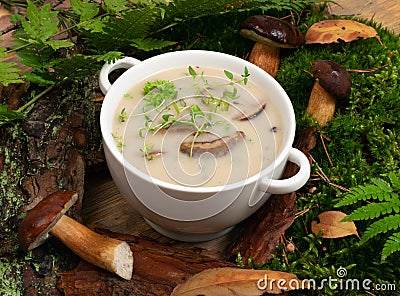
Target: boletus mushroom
x: 47, y: 217
x: 331, y: 81
x: 218, y: 147
x: 249, y: 115
x: 270, y: 34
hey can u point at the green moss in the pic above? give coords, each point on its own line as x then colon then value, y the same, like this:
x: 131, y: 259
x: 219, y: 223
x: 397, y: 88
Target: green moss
x: 11, y: 277
x: 11, y: 175
x: 364, y: 140
x: 363, y: 143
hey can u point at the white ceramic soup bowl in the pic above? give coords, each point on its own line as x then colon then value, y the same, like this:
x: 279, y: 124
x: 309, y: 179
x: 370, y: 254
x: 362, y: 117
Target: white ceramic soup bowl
x: 196, y: 213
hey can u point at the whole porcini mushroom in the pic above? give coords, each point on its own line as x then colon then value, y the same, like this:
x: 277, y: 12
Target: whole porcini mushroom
x: 331, y: 81
x: 270, y: 34
x: 47, y: 217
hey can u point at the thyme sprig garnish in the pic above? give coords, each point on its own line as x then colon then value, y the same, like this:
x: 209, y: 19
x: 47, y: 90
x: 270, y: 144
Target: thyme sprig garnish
x: 228, y: 96
x: 160, y: 96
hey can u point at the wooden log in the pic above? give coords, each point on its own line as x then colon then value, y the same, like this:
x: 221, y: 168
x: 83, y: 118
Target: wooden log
x: 158, y: 268
x: 48, y: 151
x: 258, y: 236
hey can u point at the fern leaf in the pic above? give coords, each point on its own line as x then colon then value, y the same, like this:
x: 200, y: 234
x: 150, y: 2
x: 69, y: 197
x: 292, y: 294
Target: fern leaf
x: 41, y: 24
x: 382, y: 184
x: 57, y: 44
x: 378, y: 190
x: 115, y: 6
x: 118, y: 33
x: 85, y: 9
x: 39, y: 79
x: 181, y: 9
x: 8, y: 72
x: 374, y: 210
x: 381, y: 226
x: 392, y: 245
x: 109, y: 57
x: 148, y: 44
x: 7, y: 116
x: 395, y: 180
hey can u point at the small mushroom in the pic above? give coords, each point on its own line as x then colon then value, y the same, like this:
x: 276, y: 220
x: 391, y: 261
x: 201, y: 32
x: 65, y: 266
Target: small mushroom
x: 48, y: 217
x: 331, y: 81
x: 218, y: 147
x: 177, y: 128
x: 252, y: 114
x: 270, y: 34
x: 153, y: 155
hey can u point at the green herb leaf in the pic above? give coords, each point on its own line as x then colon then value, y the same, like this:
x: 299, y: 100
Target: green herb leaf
x: 196, y: 110
x: 192, y: 72
x: 158, y: 92
x: 146, y: 148
x: 228, y: 74
x: 166, y: 117
x: 123, y: 116
x: 118, y: 140
x: 245, y: 75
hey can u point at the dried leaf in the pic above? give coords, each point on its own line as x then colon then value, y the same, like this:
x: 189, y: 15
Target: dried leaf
x: 331, y: 31
x: 235, y: 281
x: 4, y: 12
x: 331, y: 224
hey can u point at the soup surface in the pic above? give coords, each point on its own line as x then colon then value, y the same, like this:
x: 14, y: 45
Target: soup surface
x: 198, y: 126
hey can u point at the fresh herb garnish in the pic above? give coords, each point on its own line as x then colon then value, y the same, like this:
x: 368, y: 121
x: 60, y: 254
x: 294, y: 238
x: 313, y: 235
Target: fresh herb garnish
x: 123, y: 115
x: 161, y: 95
x: 157, y: 92
x: 118, y: 140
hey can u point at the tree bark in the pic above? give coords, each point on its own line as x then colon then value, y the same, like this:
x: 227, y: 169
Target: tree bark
x: 158, y: 268
x: 258, y: 236
x: 46, y: 152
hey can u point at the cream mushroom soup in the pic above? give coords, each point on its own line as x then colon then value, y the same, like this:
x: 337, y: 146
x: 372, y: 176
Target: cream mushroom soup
x: 198, y: 127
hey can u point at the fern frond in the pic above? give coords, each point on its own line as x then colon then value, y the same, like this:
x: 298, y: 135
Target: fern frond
x: 382, y: 184
x: 7, y: 116
x: 8, y: 72
x: 395, y: 180
x: 378, y: 190
x: 381, y: 226
x: 41, y: 24
x: 392, y: 245
x: 148, y: 44
x: 115, y: 6
x: 80, y: 65
x: 180, y: 10
x: 85, y: 9
x: 374, y: 210
x: 118, y: 32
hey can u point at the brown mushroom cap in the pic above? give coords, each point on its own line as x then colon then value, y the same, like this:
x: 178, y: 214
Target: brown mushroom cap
x: 333, y: 78
x: 218, y: 147
x: 272, y: 31
x: 35, y: 228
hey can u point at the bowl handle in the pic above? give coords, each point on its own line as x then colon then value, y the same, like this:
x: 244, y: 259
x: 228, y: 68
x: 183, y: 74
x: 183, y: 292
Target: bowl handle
x: 293, y: 183
x: 124, y: 63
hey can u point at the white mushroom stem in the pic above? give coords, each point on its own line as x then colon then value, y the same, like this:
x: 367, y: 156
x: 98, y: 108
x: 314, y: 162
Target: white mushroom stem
x: 321, y: 105
x: 266, y: 57
x: 104, y: 252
